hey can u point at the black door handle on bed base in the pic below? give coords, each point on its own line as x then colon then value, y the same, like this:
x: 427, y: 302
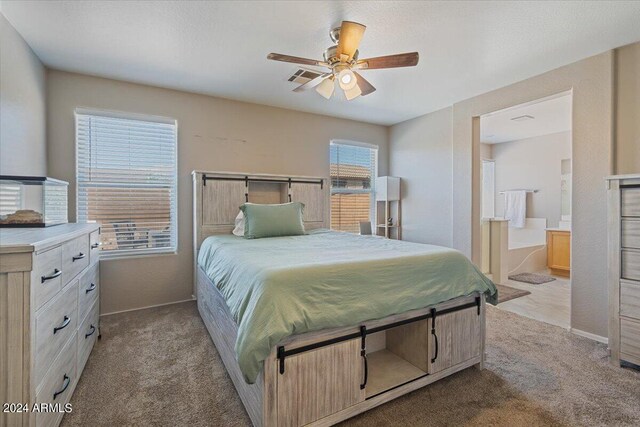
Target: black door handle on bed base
x: 433, y: 332
x: 363, y: 353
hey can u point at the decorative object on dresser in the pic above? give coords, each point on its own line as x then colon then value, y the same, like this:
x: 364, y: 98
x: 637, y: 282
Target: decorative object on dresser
x: 623, y: 215
x: 32, y: 201
x: 49, y: 306
x: 559, y: 251
x: 388, y: 207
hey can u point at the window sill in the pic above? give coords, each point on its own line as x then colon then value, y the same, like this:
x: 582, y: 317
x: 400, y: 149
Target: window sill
x: 133, y: 255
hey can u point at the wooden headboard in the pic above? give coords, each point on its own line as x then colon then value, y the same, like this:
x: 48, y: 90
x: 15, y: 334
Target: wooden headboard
x: 217, y: 197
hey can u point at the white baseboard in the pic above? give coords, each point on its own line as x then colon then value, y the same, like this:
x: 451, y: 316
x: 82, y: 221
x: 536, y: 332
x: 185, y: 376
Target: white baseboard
x: 589, y: 335
x: 144, y: 308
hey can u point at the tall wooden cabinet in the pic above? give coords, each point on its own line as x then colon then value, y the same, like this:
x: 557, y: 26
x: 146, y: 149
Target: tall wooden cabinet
x: 624, y: 268
x: 49, y: 308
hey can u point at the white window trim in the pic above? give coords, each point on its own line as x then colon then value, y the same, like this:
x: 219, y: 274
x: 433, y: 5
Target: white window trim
x: 150, y: 252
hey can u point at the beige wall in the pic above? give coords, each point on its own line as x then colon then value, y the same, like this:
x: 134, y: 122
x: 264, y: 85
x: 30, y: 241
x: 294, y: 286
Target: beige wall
x: 592, y: 83
x: 486, y: 151
x: 22, y: 106
x: 213, y: 134
x: 627, y: 126
x: 533, y: 163
x: 421, y: 156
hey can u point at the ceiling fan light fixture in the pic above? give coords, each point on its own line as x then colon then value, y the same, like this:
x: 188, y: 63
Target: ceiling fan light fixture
x: 326, y: 88
x: 346, y: 79
x: 341, y: 59
x: 353, y: 93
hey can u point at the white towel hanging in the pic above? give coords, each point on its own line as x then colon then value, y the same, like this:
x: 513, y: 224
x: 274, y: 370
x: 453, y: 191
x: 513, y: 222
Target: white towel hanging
x: 515, y: 207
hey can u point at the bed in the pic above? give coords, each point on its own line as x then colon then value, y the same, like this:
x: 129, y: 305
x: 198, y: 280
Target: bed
x: 317, y: 328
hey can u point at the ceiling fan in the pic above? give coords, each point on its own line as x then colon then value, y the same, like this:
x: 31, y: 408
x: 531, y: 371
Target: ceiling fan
x: 342, y: 62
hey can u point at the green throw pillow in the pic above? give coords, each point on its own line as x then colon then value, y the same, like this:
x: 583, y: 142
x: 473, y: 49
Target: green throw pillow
x: 272, y: 220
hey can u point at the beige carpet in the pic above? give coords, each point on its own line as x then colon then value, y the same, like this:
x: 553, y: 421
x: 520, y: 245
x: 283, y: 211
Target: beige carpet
x: 159, y: 367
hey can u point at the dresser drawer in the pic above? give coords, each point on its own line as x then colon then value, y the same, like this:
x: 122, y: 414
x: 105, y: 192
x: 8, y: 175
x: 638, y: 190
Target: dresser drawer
x: 94, y: 246
x: 630, y: 201
x: 47, y: 275
x: 630, y: 299
x: 630, y: 340
x: 87, y: 335
x: 631, y: 264
x: 88, y: 290
x: 54, y: 326
x: 75, y: 257
x: 58, y: 384
x: 631, y: 233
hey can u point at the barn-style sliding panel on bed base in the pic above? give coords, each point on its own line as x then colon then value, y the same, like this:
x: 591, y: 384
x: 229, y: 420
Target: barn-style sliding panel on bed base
x: 324, y: 377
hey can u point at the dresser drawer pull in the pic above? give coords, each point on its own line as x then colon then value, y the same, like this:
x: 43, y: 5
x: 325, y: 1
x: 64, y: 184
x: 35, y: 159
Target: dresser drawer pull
x: 66, y: 322
x: 77, y: 257
x: 90, y: 288
x: 67, y: 381
x: 93, y: 331
x: 95, y: 245
x: 56, y: 273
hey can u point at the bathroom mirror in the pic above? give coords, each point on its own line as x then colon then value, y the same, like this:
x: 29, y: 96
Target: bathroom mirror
x: 565, y: 189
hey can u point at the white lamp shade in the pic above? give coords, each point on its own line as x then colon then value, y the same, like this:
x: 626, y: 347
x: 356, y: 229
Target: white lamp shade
x: 352, y: 93
x: 387, y: 188
x: 326, y: 87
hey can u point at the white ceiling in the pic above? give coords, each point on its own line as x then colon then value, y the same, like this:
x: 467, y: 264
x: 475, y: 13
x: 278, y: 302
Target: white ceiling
x: 220, y: 48
x: 549, y: 116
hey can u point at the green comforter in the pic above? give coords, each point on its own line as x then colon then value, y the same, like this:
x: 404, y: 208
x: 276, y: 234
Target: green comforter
x: 281, y: 286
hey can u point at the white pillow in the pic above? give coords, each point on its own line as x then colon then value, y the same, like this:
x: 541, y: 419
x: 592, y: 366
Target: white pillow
x: 239, y: 229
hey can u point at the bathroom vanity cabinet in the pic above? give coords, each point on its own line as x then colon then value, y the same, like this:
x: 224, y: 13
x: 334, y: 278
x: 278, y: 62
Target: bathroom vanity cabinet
x: 559, y: 252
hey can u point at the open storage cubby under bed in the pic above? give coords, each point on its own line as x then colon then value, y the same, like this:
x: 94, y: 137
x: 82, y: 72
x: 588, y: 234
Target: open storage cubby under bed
x: 396, y: 356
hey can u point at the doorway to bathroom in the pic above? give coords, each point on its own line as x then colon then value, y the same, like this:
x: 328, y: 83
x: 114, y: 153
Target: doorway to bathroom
x: 525, y: 202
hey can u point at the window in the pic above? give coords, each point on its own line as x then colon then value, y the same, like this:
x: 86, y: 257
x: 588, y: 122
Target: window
x: 353, y: 172
x: 126, y: 181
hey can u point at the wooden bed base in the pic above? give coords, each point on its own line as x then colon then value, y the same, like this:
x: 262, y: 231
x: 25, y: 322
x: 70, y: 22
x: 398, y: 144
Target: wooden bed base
x: 324, y: 377
x: 321, y: 386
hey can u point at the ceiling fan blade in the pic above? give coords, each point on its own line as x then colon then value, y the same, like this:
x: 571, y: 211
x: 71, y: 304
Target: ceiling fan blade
x: 364, y: 85
x: 311, y: 83
x: 391, y: 61
x: 296, y: 60
x: 350, y: 36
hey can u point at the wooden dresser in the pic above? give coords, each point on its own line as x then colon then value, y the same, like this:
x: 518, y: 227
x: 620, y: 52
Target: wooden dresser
x: 49, y: 312
x: 624, y: 268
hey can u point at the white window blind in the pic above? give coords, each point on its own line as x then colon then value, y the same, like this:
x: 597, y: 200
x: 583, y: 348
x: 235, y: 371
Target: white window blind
x: 126, y: 181
x: 353, y: 172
